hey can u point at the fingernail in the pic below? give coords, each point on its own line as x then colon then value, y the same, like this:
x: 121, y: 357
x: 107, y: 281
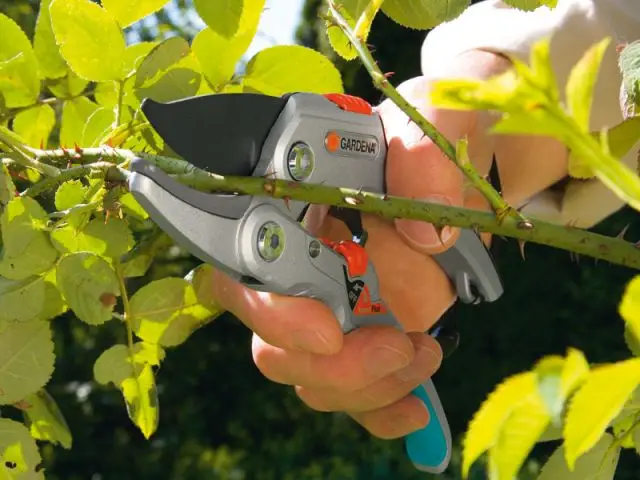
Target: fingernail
x: 385, y: 360
x: 410, y: 422
x: 425, y: 363
x: 311, y: 341
x: 424, y: 234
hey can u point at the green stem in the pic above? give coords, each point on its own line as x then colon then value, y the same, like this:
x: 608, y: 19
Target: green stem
x: 366, y: 19
x: 20, y: 154
x: 499, y: 205
x: 47, y: 101
x: 119, y: 104
x: 128, y: 317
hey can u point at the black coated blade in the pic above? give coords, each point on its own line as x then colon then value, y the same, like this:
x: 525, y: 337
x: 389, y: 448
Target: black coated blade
x: 221, y: 133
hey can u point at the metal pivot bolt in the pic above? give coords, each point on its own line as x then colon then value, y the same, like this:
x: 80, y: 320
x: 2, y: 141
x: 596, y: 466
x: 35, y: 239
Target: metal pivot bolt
x: 300, y: 161
x: 270, y: 241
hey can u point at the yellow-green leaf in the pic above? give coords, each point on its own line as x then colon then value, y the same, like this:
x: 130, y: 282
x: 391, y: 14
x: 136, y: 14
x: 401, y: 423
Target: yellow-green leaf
x: 21, y: 301
x: 517, y: 437
x: 90, y: 39
x: 110, y: 239
x: 599, y: 463
x: 581, y: 82
x: 484, y: 430
x: 179, y: 80
x: 35, y: 125
x: 7, y: 187
x: 221, y: 16
x: 350, y: 10
x: 630, y: 307
x: 98, y: 125
x: 19, y: 80
x: 45, y: 420
x: 141, y: 397
x: 127, y: 12
x: 167, y: 311
x: 89, y: 286
x: 70, y: 194
x: 596, y: 403
x: 69, y: 86
x: 51, y: 63
x: 291, y: 68
x: 18, y: 449
x: 75, y: 114
x: 219, y: 68
x: 423, y: 14
x: 26, y: 360
x: 530, y: 5
x: 162, y: 57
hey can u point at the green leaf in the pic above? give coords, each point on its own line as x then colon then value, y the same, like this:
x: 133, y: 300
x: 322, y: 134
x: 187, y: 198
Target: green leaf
x: 180, y: 80
x: 35, y: 125
x: 288, y: 68
x: 581, y: 82
x: 141, y: 397
x: 222, y: 16
x: 70, y: 194
x: 127, y: 13
x: 23, y: 300
x: 167, y: 311
x: 131, y: 206
x: 219, y: 68
x: 7, y: 187
x: 630, y: 309
x: 51, y: 63
x: 19, y: 81
x: 89, y: 285
x: 632, y: 342
x: 90, y: 39
x: 69, y: 86
x: 135, y: 380
x: 498, y: 426
x: 110, y: 239
x: 19, y: 449
x: 423, y: 14
x: 160, y: 59
x: 45, y: 420
x: 98, y: 125
x: 54, y: 304
x: 530, y: 5
x: 558, y: 378
x: 598, y: 464
x: 629, y: 64
x: 201, y: 278
x: 27, y: 249
x: 596, y: 403
x: 26, y: 360
x: 75, y: 114
x: 351, y: 11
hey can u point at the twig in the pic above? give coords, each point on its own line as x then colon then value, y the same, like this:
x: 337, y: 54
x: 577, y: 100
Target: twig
x: 499, y: 205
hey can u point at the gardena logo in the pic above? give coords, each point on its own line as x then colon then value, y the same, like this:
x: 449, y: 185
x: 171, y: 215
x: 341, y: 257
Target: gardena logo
x: 346, y: 143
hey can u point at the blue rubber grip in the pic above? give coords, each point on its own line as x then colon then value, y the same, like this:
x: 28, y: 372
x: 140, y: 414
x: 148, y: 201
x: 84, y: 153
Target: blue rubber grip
x: 429, y: 449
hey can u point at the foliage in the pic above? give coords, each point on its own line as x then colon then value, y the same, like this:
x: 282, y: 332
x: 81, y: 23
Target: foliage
x: 74, y: 248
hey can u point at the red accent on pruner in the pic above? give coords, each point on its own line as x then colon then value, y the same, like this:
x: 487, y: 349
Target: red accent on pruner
x: 355, y: 255
x: 350, y: 103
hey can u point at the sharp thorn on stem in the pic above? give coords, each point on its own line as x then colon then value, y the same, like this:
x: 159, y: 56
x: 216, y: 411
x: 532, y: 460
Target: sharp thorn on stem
x: 521, y: 244
x: 623, y: 232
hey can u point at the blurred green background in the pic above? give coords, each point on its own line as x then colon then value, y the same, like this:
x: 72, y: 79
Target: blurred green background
x: 220, y: 419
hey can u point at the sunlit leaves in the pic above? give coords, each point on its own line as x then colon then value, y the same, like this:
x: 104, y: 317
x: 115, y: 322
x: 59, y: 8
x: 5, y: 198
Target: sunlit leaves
x: 423, y: 14
x: 45, y: 420
x: 529, y: 5
x: 75, y: 114
x: 630, y: 310
x: 90, y: 39
x: 127, y: 12
x: 89, y: 285
x: 69, y: 86
x: 21, y: 300
x: 629, y: 64
x: 35, y: 125
x: 287, y: 68
x: 19, y: 455
x: 26, y: 359
x: 598, y: 464
x: 168, y: 310
x: 350, y: 10
x: 19, y: 80
x: 596, y: 404
x: 221, y: 16
x: 27, y: 249
x: 219, y: 68
x: 133, y: 375
x: 531, y: 106
x: 51, y: 63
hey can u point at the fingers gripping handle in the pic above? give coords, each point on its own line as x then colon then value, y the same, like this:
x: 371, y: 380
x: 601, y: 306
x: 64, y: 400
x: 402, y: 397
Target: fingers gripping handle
x: 429, y: 448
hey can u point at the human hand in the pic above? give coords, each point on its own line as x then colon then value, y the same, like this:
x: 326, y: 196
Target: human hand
x: 371, y: 372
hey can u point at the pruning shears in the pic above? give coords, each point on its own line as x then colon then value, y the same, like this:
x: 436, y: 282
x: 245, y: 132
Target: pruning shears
x: 334, y: 139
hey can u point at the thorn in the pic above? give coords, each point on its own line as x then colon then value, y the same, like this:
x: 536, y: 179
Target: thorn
x: 286, y: 200
x: 439, y: 229
x: 77, y: 149
x: 42, y: 144
x: 521, y: 244
x: 389, y: 75
x: 623, y: 232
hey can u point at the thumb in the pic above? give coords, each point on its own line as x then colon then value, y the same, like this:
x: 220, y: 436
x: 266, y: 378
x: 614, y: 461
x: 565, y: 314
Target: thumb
x: 418, y: 169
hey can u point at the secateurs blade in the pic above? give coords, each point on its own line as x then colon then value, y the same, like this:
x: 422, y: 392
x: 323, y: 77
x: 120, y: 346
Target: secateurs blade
x: 336, y: 140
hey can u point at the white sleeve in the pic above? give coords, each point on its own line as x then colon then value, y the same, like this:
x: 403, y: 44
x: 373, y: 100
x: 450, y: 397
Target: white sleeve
x: 573, y: 26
